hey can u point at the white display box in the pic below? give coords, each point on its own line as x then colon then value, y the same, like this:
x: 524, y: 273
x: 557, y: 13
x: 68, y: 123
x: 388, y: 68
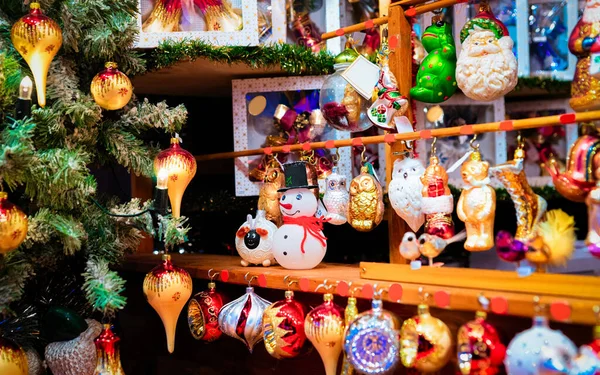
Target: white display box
x: 250, y: 130
x: 195, y: 27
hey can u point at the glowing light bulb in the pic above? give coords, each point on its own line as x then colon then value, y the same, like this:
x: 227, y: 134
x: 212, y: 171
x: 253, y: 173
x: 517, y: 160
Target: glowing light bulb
x: 162, y: 179
x: 25, y: 88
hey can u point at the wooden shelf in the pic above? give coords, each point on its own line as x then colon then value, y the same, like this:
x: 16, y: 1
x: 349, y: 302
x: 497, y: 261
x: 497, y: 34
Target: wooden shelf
x: 200, y: 77
x: 449, y: 288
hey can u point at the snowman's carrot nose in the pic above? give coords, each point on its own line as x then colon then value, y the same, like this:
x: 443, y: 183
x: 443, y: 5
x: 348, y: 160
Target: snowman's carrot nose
x: 287, y: 206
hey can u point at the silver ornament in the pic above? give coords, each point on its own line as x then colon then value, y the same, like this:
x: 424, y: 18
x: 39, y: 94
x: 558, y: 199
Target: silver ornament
x: 34, y: 362
x: 372, y: 342
x: 244, y: 314
x: 336, y: 198
x: 77, y: 356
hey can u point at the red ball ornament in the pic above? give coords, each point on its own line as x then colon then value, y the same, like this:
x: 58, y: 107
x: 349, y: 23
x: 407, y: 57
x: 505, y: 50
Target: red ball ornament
x: 13, y: 225
x: 480, y: 350
x: 203, y: 314
x: 283, y: 328
x: 595, y: 345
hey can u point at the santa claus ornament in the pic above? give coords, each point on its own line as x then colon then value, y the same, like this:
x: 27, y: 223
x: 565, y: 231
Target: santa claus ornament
x: 283, y: 328
x: 584, y: 43
x: 487, y: 67
x: 242, y: 319
x: 405, y: 191
x: 203, y: 312
x: 299, y: 243
x: 254, y: 240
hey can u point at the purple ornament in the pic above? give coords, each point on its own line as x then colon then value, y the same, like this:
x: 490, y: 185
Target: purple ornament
x: 509, y: 249
x: 594, y: 249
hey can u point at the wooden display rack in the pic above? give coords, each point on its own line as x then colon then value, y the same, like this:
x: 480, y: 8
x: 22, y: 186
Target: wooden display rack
x: 571, y: 298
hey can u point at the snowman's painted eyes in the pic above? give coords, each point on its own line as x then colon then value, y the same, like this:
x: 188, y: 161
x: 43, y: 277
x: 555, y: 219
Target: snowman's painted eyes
x: 299, y: 197
x: 283, y: 197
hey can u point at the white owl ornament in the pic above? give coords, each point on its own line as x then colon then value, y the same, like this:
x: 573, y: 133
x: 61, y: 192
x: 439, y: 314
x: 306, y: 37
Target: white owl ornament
x: 336, y: 198
x: 254, y: 240
x: 405, y: 191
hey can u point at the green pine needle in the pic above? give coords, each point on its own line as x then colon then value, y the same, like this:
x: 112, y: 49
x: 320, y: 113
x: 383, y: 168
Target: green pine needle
x: 103, y: 287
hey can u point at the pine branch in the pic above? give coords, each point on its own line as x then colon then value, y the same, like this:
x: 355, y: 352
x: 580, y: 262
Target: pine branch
x: 14, y: 272
x: 16, y: 152
x: 103, y: 287
x: 128, y: 150
x: 146, y: 116
x: 46, y: 225
x: 172, y: 230
x: 10, y: 78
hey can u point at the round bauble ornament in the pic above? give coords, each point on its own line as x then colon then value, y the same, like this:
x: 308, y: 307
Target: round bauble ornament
x: 203, y: 314
x: 77, y: 356
x: 13, y: 360
x: 111, y: 88
x: 480, y: 351
x: 34, y: 362
x: 109, y: 357
x: 181, y: 166
x: 508, y: 248
x: 37, y: 38
x: 371, y: 341
x: 324, y: 327
x: 426, y: 343
x: 283, y: 328
x: 254, y: 240
x: 242, y: 319
x: 167, y: 289
x: 538, y: 350
x: 13, y: 225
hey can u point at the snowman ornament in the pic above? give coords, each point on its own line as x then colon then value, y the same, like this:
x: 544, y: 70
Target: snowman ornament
x: 299, y: 244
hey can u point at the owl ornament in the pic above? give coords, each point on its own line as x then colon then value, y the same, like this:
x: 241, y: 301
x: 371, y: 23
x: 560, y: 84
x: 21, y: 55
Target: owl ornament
x: 365, y: 210
x: 254, y: 240
x: 437, y: 202
x: 336, y: 198
x: 405, y: 191
x: 477, y: 204
x: 242, y: 319
x: 268, y: 197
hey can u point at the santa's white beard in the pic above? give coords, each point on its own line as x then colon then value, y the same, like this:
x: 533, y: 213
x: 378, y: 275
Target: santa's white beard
x: 486, y: 77
x: 591, y: 14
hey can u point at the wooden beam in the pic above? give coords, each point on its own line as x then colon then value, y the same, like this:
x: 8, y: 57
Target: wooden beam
x: 354, y: 28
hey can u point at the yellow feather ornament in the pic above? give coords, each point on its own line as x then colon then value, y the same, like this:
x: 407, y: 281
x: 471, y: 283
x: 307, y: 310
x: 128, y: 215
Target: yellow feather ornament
x: 555, y: 240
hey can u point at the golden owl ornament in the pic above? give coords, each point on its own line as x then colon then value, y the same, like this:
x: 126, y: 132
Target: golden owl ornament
x: 366, y: 208
x: 268, y: 197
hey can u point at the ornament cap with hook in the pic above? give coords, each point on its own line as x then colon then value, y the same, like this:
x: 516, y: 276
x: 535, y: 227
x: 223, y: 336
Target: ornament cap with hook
x: 328, y: 288
x: 211, y: 283
x: 249, y: 281
x: 474, y: 147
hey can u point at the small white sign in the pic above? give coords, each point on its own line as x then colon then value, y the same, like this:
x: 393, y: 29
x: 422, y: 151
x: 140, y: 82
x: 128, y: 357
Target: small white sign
x: 595, y: 65
x: 363, y: 76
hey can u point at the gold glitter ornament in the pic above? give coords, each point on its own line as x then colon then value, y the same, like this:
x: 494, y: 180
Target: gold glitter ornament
x: 13, y: 360
x: 425, y: 342
x: 165, y: 17
x: 111, y: 88
x: 13, y: 225
x: 37, y: 38
x: 366, y: 208
x: 167, y: 289
x: 350, y: 314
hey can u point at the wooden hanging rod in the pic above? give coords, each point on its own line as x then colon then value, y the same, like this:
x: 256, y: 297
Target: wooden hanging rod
x: 429, y: 7
x: 354, y: 28
x: 508, y: 125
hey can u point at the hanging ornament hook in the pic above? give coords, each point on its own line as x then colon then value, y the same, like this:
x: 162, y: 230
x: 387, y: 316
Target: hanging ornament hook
x: 474, y: 146
x: 433, y: 148
x: 289, y: 282
x: 251, y: 278
x: 596, y: 310
x: 483, y: 302
x: 378, y: 292
x: 424, y: 296
x: 336, y: 157
x: 212, y: 277
x: 325, y: 286
x: 363, y: 158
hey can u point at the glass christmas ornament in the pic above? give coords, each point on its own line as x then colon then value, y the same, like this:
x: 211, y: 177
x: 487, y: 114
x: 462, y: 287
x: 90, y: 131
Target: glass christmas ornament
x: 109, y: 357
x: 371, y: 341
x: 283, y: 328
x: 342, y: 106
x: 306, y: 32
x: 181, y: 166
x: 76, y: 356
x: 509, y: 249
x: 203, y: 314
x: 437, y: 201
x: 219, y: 15
x: 593, y: 236
x: 366, y: 207
x: 111, y: 88
x: 254, y: 240
x: 34, y: 362
x: 167, y: 289
x: 165, y: 17
x: 554, y: 242
x: 37, y: 38
x: 405, y: 191
x: 268, y: 196
x: 324, y: 327
x: 242, y: 319
x: 299, y: 243
x: 425, y: 342
x: 480, y: 351
x: 13, y: 225
x: 476, y: 206
x: 539, y: 350
x: 13, y: 360
x: 62, y: 324
x: 350, y: 313
x: 336, y: 198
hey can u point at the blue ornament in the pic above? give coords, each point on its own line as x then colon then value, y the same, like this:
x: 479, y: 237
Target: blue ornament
x: 372, y: 341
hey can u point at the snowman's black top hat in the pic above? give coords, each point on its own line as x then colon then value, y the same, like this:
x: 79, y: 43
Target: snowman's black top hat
x: 295, y: 176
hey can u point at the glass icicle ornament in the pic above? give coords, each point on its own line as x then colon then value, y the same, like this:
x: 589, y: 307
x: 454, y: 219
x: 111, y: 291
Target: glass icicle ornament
x: 181, y: 166
x: 324, y: 327
x: 165, y: 17
x: 12, y: 358
x: 283, y: 328
x: 167, y: 289
x: 13, y: 225
x: 37, y: 38
x: 350, y: 314
x: 111, y: 88
x: 109, y: 357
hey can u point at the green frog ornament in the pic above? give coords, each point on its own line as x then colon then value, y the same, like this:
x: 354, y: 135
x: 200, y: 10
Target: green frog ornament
x: 436, y: 80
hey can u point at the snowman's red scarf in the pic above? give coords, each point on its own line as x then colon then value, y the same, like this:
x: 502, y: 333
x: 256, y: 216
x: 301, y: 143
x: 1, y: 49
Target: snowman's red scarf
x: 311, y: 225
